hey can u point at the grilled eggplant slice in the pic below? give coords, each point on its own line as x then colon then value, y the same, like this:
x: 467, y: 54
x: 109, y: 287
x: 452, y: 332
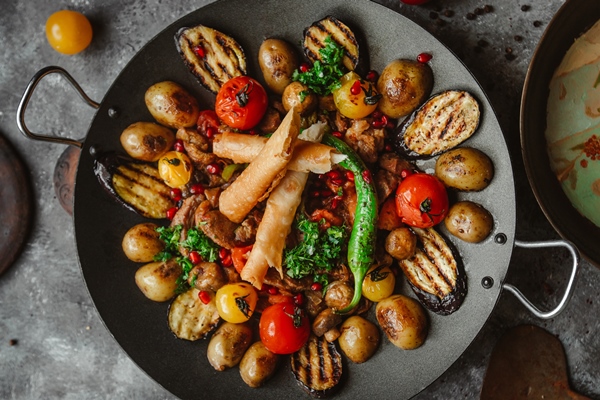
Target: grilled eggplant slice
x: 435, y: 274
x: 443, y: 122
x: 211, y: 56
x: 315, y: 35
x: 135, y: 184
x: 191, y: 319
x: 317, y: 367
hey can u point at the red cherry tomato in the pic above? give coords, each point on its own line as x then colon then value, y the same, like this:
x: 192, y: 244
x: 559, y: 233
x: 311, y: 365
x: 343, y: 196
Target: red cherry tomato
x: 421, y: 200
x: 284, y: 328
x: 241, y: 102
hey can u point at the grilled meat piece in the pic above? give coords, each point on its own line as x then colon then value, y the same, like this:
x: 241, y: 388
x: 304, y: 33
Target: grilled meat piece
x: 135, y: 184
x: 315, y: 35
x: 367, y: 141
x: 211, y: 56
x: 215, y: 225
x: 435, y: 274
x: 443, y: 122
x: 287, y: 285
x: 385, y: 183
x: 317, y: 367
x: 185, y: 217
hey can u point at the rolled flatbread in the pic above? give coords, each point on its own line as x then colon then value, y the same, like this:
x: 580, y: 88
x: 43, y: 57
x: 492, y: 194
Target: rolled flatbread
x: 308, y: 157
x: 274, y: 228
x: 246, y: 191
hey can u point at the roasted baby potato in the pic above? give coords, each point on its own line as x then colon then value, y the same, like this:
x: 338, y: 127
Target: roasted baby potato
x: 171, y: 105
x: 141, y: 242
x: 158, y: 280
x: 359, y: 339
x: 278, y: 61
x: 298, y: 95
x: 339, y: 295
x: 228, y: 345
x: 404, y: 85
x: 147, y: 141
x: 465, y: 169
x: 469, y: 221
x: 403, y: 320
x: 401, y: 243
x: 258, y: 365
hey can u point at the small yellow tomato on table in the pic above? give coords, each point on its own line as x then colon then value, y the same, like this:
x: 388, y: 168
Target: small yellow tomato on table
x: 68, y: 32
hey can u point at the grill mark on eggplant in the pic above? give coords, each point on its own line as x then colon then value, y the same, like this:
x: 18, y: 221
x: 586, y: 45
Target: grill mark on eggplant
x: 317, y: 366
x: 340, y: 33
x: 435, y: 273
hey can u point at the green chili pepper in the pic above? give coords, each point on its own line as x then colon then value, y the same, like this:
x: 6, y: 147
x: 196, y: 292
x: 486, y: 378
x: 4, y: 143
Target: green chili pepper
x: 361, y: 246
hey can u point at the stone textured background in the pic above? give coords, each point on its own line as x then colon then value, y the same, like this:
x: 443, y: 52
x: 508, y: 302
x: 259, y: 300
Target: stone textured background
x: 53, y: 344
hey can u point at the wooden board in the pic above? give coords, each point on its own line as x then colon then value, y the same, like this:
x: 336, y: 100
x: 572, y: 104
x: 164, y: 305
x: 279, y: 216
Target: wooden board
x: 15, y: 205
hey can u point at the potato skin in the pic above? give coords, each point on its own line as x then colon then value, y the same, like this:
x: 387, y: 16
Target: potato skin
x: 291, y: 98
x: 359, y: 339
x: 278, y: 61
x: 404, y: 85
x: 171, y: 105
x: 158, y: 280
x: 401, y: 243
x: 141, y: 242
x: 465, y: 169
x: 258, y: 365
x: 147, y: 141
x: 403, y: 320
x: 228, y: 345
x: 469, y: 221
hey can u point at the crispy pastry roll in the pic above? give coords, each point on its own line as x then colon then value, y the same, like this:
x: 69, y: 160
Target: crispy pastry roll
x: 274, y: 227
x: 250, y: 187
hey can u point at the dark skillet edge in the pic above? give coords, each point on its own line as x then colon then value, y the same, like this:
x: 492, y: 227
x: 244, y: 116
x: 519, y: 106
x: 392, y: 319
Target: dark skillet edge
x: 557, y: 208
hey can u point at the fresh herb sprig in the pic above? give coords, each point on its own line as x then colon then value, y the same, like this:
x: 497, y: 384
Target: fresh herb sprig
x: 196, y: 240
x: 320, y: 250
x: 324, y: 76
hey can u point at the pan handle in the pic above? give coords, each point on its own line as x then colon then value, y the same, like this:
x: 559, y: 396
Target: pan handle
x: 27, y: 96
x: 568, y: 291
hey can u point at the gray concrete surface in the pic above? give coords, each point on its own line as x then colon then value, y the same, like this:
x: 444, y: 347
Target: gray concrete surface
x: 53, y: 344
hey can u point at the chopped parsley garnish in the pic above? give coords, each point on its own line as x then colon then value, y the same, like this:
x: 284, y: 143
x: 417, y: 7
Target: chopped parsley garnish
x: 196, y: 240
x: 319, y: 250
x: 324, y: 76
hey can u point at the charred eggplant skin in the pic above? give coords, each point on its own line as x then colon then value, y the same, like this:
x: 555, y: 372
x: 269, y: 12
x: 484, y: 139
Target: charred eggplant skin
x: 443, y: 122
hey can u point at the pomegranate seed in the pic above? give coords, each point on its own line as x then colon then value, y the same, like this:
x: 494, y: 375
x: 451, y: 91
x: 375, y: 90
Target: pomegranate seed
x: 316, y: 286
x: 299, y: 299
x: 337, y: 134
x: 424, y: 57
x: 372, y: 76
x: 316, y: 193
x: 388, y: 147
x: 335, y: 203
x: 367, y: 176
x: 178, y: 146
x: 200, y: 52
x: 304, y: 67
x: 337, y: 181
x: 356, y: 88
x: 334, y: 174
x: 195, y: 257
x: 326, y: 193
x: 376, y: 114
x: 176, y: 194
x: 227, y: 261
x: 377, y: 124
x: 405, y: 173
x: 197, y: 188
x: 350, y: 176
x: 213, y: 169
x: 272, y: 290
x: 204, y: 296
x: 171, y: 213
x: 210, y: 132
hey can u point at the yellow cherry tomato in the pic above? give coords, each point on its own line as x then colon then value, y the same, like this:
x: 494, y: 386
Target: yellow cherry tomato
x: 236, y: 302
x: 355, y: 98
x: 379, y: 283
x: 175, y: 168
x: 68, y: 32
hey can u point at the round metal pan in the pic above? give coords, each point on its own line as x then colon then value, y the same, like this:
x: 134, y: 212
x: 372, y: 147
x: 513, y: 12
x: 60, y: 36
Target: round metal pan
x: 571, y: 20
x: 140, y: 326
